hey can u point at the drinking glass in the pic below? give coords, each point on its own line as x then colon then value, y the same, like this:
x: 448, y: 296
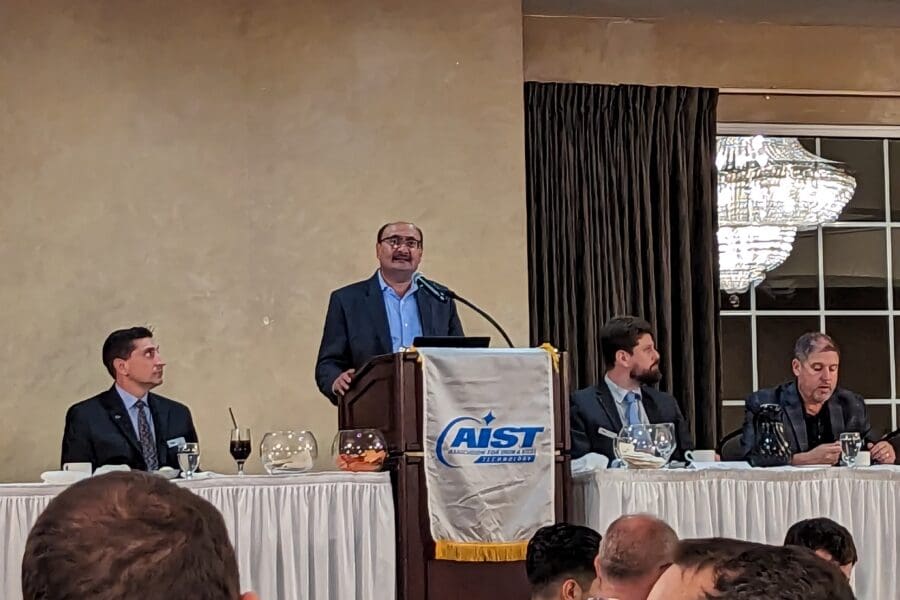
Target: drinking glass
x: 664, y: 438
x: 850, y: 444
x: 240, y: 447
x: 189, y: 459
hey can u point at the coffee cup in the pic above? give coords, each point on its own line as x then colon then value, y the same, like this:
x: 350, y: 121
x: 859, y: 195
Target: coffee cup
x: 864, y: 458
x: 81, y: 467
x: 700, y: 456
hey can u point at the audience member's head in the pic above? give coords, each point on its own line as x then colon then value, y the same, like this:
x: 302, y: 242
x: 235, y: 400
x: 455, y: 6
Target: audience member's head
x: 635, y: 551
x: 560, y: 561
x: 827, y: 539
x: 783, y: 572
x: 693, y: 573
x: 132, y: 535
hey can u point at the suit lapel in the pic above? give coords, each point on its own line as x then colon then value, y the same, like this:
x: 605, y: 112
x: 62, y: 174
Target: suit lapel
x: 426, y: 306
x: 650, y: 406
x: 608, y: 404
x: 378, y: 315
x: 793, y: 408
x: 160, y: 413
x: 837, y: 417
x: 115, y: 408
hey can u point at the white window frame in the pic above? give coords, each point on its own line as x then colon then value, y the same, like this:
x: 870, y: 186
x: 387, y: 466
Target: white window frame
x: 886, y: 134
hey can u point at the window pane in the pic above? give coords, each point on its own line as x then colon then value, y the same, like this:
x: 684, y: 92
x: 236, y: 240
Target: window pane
x: 737, y: 364
x: 795, y: 284
x: 855, y: 268
x: 734, y: 301
x: 732, y: 419
x: 894, y: 167
x: 880, y: 418
x: 775, y: 337
x: 865, y: 358
x: 809, y: 144
x: 865, y: 160
x: 895, y: 266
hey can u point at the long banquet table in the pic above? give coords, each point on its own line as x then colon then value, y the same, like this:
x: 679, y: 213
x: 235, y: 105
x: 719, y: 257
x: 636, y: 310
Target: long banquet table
x: 759, y: 505
x: 326, y: 536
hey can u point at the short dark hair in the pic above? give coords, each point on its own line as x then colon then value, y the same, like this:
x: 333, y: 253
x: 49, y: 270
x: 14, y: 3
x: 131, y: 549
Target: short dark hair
x: 386, y: 225
x: 824, y: 534
x: 621, y: 333
x: 559, y: 552
x: 814, y: 341
x: 120, y: 344
x: 785, y: 572
x: 129, y: 535
x: 700, y: 553
x: 636, y: 545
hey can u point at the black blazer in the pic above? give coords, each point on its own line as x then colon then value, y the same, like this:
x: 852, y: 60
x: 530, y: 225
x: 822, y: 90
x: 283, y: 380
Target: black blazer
x: 99, y: 431
x: 356, y: 328
x: 847, y: 412
x: 594, y: 407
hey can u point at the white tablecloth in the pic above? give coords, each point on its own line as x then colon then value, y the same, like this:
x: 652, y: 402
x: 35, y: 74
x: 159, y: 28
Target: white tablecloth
x: 760, y: 505
x: 321, y: 536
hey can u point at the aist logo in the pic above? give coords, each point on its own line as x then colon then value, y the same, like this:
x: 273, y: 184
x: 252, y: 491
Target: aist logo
x: 467, y: 440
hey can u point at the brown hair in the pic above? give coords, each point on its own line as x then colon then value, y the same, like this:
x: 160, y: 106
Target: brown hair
x: 129, y: 535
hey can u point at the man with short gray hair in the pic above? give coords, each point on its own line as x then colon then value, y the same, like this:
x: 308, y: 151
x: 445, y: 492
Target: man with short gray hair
x: 635, y: 551
x: 815, y: 411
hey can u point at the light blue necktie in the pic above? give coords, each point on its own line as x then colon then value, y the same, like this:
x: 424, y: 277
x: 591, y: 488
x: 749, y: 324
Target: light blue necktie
x: 632, y: 408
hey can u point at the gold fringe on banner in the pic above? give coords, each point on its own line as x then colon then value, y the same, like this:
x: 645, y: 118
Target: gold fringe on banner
x: 478, y: 552
x: 554, y: 354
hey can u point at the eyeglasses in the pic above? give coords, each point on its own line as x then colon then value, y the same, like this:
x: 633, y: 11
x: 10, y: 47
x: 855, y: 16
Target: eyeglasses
x: 396, y: 241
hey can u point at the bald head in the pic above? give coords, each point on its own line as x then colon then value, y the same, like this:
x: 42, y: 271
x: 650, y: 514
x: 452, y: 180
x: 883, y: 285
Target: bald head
x: 635, y: 545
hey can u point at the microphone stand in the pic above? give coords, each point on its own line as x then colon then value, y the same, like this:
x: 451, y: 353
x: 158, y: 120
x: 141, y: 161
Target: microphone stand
x: 488, y: 317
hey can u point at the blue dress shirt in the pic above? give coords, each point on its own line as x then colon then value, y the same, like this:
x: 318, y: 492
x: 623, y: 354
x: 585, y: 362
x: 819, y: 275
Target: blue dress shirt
x: 402, y: 313
x: 129, y: 401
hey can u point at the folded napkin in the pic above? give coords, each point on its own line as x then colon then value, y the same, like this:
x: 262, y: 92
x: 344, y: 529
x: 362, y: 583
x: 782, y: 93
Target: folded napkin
x: 63, y: 477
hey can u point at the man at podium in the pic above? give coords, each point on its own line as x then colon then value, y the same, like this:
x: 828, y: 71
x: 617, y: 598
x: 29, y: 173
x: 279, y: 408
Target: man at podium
x: 381, y: 314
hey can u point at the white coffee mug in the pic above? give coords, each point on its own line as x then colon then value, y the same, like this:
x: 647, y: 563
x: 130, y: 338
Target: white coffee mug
x: 81, y: 467
x: 700, y: 456
x: 864, y: 458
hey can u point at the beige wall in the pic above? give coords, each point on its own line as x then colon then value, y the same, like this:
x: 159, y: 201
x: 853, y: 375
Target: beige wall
x: 216, y: 168
x: 736, y: 56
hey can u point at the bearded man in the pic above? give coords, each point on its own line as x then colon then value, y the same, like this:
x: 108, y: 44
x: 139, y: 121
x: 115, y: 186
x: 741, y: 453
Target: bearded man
x: 626, y: 395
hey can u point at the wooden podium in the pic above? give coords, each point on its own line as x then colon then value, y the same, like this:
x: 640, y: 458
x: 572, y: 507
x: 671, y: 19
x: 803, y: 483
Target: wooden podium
x: 387, y: 395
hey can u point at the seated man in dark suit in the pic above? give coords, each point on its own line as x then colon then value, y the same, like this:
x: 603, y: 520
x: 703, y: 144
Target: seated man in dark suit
x: 382, y: 314
x: 815, y: 411
x: 625, y: 395
x: 126, y: 424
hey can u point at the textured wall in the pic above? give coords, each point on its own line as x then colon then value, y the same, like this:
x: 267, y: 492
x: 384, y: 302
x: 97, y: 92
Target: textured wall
x: 741, y: 56
x: 216, y: 168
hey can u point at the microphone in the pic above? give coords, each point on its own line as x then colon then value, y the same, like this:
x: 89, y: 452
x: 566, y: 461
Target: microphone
x: 441, y: 293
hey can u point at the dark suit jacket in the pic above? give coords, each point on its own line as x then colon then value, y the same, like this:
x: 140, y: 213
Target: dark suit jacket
x: 99, y: 431
x: 356, y: 328
x: 594, y: 407
x: 847, y: 412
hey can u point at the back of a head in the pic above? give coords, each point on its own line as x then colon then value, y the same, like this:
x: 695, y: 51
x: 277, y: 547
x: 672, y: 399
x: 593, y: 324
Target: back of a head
x: 700, y: 553
x: 636, y: 546
x: 129, y: 535
x: 559, y: 552
x: 824, y: 534
x: 783, y: 572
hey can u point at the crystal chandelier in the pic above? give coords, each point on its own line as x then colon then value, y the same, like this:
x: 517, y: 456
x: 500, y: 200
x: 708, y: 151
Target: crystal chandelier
x: 770, y: 188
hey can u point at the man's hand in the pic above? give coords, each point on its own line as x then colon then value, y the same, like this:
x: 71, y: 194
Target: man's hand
x: 883, y: 453
x: 824, y: 454
x: 342, y: 382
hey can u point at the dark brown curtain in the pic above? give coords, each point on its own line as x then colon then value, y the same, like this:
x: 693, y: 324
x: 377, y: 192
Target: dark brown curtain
x: 621, y: 192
